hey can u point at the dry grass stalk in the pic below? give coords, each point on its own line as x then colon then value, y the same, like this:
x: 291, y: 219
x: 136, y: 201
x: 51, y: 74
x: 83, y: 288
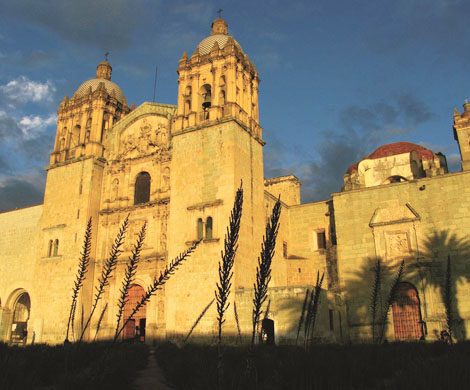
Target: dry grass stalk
x: 108, y: 268
x: 157, y: 284
x: 302, y: 316
x: 98, y: 325
x: 374, y: 298
x: 198, y: 320
x: 228, y: 258
x: 83, y: 263
x: 237, y: 321
x: 129, y: 275
x: 390, y: 299
x: 448, y: 301
x: 314, y: 309
x: 263, y: 270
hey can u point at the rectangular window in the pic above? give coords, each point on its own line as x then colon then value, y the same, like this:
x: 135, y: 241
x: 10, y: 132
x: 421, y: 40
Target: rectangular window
x: 321, y: 240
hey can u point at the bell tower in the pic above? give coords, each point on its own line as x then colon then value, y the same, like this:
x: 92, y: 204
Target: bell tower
x: 216, y: 144
x: 462, y: 134
x: 218, y: 81
x: 84, y: 119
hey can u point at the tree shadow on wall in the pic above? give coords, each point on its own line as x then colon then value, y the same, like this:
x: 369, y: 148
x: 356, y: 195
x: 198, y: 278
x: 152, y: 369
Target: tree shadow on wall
x: 425, y: 269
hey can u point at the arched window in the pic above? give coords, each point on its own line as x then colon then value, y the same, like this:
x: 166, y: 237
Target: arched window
x: 187, y: 106
x: 200, y: 229
x: 206, y: 96
x: 75, y: 137
x: 187, y: 92
x: 56, y: 247
x: 49, y: 251
x: 209, y: 228
x: 142, y: 188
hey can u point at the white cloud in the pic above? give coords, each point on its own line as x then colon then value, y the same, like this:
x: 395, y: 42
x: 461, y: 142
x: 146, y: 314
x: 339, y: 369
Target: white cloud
x: 23, y: 90
x: 33, y: 125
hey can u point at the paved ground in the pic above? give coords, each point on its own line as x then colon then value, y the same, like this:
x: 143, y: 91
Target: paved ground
x: 151, y: 377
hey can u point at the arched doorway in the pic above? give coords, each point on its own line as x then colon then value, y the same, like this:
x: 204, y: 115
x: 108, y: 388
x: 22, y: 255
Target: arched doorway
x: 135, y: 328
x: 406, y: 311
x: 19, y: 324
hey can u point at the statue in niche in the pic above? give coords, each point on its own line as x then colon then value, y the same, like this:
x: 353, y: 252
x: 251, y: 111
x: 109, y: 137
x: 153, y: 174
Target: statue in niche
x: 87, y: 136
x: 114, y: 190
x: 166, y: 179
x: 163, y: 243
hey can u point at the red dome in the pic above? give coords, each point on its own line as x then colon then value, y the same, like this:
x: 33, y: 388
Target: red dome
x: 396, y: 148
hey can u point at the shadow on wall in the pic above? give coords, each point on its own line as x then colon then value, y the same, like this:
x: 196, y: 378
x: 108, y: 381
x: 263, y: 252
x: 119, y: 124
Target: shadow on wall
x: 418, y: 310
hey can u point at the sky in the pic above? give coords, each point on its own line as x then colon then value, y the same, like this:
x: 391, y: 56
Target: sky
x: 338, y: 78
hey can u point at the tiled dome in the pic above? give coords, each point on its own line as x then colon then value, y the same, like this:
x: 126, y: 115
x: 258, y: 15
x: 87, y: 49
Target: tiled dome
x: 207, y: 43
x: 110, y: 86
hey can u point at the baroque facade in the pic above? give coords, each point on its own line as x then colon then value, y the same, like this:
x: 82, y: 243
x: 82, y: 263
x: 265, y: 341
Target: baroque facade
x: 177, y: 169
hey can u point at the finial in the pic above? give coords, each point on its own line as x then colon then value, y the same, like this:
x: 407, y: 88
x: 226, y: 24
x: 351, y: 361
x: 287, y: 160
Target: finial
x: 220, y: 12
x: 106, y: 56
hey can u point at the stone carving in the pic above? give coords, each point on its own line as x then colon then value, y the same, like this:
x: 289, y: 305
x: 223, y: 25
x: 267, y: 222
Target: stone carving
x: 398, y: 245
x: 114, y: 190
x: 147, y: 139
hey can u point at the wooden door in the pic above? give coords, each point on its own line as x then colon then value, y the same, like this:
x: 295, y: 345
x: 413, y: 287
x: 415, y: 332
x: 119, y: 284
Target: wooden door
x: 406, y: 311
x: 135, y: 295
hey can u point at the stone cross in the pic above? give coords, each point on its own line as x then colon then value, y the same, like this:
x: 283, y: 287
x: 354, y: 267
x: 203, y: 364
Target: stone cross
x: 220, y: 12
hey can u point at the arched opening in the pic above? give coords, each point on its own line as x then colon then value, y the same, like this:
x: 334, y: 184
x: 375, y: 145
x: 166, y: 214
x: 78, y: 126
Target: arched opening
x: 75, y: 136
x: 406, y: 312
x: 209, y: 228
x: 142, y: 188
x: 187, y: 91
x: 200, y: 229
x: 394, y: 179
x: 221, y: 98
x: 267, y: 331
x: 135, y: 328
x: 56, y: 248
x: 49, y: 250
x: 206, y: 98
x: 19, y: 324
x: 187, y: 107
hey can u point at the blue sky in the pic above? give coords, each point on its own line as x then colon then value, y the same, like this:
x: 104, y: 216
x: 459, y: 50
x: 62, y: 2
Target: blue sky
x: 338, y: 79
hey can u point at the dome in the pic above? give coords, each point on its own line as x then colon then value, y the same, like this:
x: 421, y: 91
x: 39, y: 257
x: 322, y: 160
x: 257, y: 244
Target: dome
x: 219, y: 35
x: 103, y: 75
x: 110, y: 86
x: 394, y: 149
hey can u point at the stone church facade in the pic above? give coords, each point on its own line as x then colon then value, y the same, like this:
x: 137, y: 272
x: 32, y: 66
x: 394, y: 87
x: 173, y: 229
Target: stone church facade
x: 177, y: 168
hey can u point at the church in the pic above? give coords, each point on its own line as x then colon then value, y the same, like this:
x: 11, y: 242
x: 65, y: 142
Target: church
x: 177, y: 169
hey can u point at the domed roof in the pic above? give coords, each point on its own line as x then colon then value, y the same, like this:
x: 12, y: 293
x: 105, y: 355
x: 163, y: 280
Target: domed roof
x: 103, y: 75
x: 219, y: 35
x: 394, y: 149
x: 110, y: 86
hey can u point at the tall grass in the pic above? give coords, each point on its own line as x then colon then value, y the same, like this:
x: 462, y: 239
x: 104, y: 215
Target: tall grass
x: 391, y: 297
x: 448, y: 300
x: 235, y: 313
x: 375, y: 295
x: 129, y: 275
x: 302, y: 316
x: 263, y: 270
x: 158, y: 283
x: 313, y: 309
x: 222, y: 291
x: 83, y: 263
x: 199, y: 318
x: 108, y: 268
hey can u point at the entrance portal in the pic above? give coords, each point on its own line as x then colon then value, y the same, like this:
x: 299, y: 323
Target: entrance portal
x: 19, y: 325
x: 406, y: 311
x: 135, y: 328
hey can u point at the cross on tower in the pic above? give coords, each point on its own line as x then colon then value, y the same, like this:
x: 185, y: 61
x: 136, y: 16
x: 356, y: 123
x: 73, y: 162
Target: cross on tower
x: 220, y: 12
x: 106, y: 56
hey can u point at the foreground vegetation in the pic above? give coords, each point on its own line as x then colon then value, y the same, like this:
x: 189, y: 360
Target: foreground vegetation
x: 92, y: 366
x: 327, y: 366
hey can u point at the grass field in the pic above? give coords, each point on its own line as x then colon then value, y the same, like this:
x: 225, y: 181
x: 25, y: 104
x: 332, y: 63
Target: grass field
x: 390, y: 366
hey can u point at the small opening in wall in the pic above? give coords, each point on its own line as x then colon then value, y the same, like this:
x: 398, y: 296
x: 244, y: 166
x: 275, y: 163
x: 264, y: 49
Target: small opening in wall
x: 51, y: 245
x: 209, y: 228
x: 200, y: 229
x: 56, y: 247
x: 142, y: 188
x: 300, y: 270
x: 284, y: 249
x: 321, y: 240
x: 78, y: 213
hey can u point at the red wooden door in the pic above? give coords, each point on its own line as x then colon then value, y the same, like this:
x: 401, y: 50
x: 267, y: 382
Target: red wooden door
x: 135, y: 295
x: 406, y: 313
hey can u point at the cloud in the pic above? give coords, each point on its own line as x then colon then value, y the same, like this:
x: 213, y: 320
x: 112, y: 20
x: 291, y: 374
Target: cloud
x: 23, y: 90
x: 22, y: 191
x: 108, y: 24
x: 33, y: 125
x: 360, y: 130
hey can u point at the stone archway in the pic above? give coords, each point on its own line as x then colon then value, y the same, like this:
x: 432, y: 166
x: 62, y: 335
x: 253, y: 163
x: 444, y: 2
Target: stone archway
x: 135, y: 328
x: 20, y: 317
x: 406, y: 311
